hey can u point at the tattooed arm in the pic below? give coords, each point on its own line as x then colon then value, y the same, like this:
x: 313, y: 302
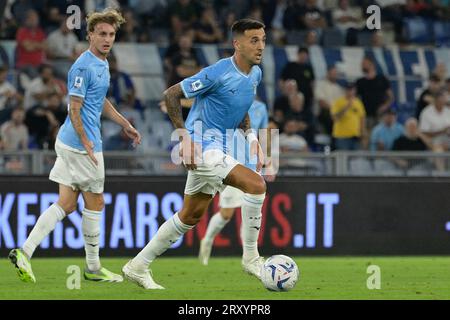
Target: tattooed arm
x: 172, y: 98
x: 75, y: 117
x: 188, y: 150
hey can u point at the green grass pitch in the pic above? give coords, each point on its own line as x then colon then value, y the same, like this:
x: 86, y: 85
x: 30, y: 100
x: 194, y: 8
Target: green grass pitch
x: 185, y: 279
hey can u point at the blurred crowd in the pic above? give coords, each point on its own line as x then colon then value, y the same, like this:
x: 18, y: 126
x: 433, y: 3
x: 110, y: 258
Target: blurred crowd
x: 310, y: 113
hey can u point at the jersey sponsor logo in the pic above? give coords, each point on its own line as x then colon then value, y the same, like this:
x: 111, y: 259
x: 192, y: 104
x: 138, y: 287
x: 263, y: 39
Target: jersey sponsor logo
x: 78, y: 82
x: 196, y: 85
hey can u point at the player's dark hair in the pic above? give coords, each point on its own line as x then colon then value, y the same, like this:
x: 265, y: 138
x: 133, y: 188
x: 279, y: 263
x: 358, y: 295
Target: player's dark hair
x: 239, y: 27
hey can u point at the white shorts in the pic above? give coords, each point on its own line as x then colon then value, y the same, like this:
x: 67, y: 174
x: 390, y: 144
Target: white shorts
x: 231, y: 197
x: 208, y: 177
x: 76, y: 170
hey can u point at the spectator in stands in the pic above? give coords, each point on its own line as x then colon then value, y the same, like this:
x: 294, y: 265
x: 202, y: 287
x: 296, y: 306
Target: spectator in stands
x: 386, y: 132
x: 228, y: 21
x: 184, y: 43
x: 412, y: 139
x: 207, y: 30
x: 441, y: 71
x: 44, y: 120
x: 290, y: 141
x: 43, y: 86
x: 14, y: 132
x: 435, y: 121
x: 183, y: 14
x: 426, y: 97
x: 100, y: 5
x: 289, y: 95
x: 149, y: 12
x: 348, y: 113
x: 290, y: 106
x: 311, y: 39
x: 302, y: 72
x: 349, y: 20
x: 375, y: 91
x: 62, y: 48
x: 273, y: 12
x: 19, y: 10
x: 183, y: 63
x: 392, y: 12
x: 255, y: 13
x: 304, y: 17
x: 56, y: 12
x: 312, y: 18
x: 9, y: 96
x: 377, y: 39
x: 121, y: 90
x: 417, y: 8
x: 326, y: 92
x: 31, y: 42
x: 131, y: 31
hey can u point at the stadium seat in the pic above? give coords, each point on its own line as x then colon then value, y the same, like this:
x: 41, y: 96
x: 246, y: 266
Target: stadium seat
x: 295, y: 37
x: 333, y: 38
x: 417, y: 30
x: 360, y: 167
x: 441, y: 31
x: 385, y: 168
x: 160, y: 36
x: 364, y: 38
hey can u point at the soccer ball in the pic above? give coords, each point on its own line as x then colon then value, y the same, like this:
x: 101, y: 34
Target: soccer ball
x: 279, y: 273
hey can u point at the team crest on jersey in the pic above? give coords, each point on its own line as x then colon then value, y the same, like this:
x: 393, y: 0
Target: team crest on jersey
x: 78, y: 82
x: 196, y: 85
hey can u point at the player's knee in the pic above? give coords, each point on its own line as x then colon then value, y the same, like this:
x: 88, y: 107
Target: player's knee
x: 68, y: 207
x: 258, y: 186
x: 190, y: 218
x: 227, y: 213
x: 100, y: 203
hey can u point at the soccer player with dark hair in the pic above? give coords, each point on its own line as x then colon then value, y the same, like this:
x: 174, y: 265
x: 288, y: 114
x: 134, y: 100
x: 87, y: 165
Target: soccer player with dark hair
x: 223, y: 94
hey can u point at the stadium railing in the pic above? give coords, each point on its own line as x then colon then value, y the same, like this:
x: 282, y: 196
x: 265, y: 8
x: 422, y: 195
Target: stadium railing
x: 356, y: 163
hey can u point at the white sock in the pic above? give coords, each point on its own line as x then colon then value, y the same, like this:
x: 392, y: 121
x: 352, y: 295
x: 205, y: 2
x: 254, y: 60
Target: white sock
x: 169, y: 232
x: 251, y: 223
x: 45, y: 224
x: 215, y: 225
x: 90, y: 225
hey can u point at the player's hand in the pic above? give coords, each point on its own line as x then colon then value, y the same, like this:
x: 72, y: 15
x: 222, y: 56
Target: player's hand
x: 190, y: 153
x: 133, y: 134
x: 270, y: 174
x: 256, y: 150
x: 89, y: 146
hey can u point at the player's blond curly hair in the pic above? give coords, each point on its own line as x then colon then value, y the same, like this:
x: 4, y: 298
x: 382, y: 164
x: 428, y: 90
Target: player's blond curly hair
x: 109, y: 15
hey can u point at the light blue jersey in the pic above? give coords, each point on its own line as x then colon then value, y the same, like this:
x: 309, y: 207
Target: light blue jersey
x: 223, y: 95
x: 88, y: 78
